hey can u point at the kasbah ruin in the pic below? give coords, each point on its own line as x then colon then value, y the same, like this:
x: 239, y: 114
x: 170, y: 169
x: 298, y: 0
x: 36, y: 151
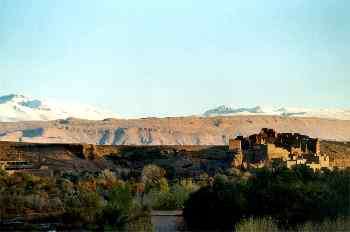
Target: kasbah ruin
x: 271, y: 149
x: 267, y: 149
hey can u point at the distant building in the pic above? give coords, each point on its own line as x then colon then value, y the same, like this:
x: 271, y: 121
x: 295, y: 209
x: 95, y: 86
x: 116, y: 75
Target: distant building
x: 269, y: 148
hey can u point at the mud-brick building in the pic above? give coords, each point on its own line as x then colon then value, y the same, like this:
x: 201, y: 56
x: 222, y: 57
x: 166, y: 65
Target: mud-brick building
x: 269, y: 148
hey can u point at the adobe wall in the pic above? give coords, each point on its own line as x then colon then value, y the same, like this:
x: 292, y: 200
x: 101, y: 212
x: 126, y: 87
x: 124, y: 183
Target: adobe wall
x: 256, y: 153
x: 274, y: 152
x: 235, y: 145
x: 341, y: 162
x: 314, y: 166
x: 296, y: 151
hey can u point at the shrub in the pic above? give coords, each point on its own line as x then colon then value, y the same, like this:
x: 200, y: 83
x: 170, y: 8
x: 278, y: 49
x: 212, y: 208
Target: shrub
x: 142, y: 224
x: 12, y: 200
x: 291, y: 197
x: 107, y: 179
x: 215, y: 208
x: 174, y: 199
x: 73, y: 177
x: 163, y: 201
x: 188, y: 184
x: 294, y: 196
x: 36, y: 201
x: 181, y: 195
x: 203, y: 179
x: 163, y: 185
x: 151, y: 176
x: 55, y: 204
x: 3, y: 173
x: 65, y: 185
x: 117, y: 211
x: 82, y: 207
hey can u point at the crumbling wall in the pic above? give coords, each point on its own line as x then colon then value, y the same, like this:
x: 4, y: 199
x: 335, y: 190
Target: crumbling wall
x: 274, y: 152
x: 235, y: 145
x: 296, y: 151
x: 340, y: 162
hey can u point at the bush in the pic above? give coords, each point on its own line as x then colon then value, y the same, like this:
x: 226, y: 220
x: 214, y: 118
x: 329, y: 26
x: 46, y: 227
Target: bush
x: 189, y: 185
x: 117, y: 211
x: 86, y: 200
x: 163, y: 185
x: 291, y: 197
x: 55, y: 204
x: 294, y: 196
x: 82, y: 207
x: 164, y: 201
x: 174, y: 199
x: 12, y: 200
x: 107, y: 179
x: 152, y: 176
x: 36, y: 201
x: 142, y: 224
x: 216, y: 207
x: 3, y: 173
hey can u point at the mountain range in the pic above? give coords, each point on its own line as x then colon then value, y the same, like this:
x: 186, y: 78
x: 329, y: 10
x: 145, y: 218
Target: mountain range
x: 335, y: 113
x: 32, y: 120
x: 15, y: 108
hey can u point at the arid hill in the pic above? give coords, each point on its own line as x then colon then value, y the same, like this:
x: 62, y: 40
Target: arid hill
x: 176, y: 159
x: 168, y: 131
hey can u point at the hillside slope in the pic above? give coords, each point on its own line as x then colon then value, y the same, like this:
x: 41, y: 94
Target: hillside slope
x: 168, y: 131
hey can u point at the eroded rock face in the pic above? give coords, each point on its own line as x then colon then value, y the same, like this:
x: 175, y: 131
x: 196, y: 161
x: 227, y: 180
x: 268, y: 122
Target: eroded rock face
x: 176, y: 160
x: 169, y: 131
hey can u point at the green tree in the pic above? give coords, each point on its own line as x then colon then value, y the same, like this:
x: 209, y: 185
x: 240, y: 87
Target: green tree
x: 216, y: 207
x: 82, y: 207
x: 118, y: 209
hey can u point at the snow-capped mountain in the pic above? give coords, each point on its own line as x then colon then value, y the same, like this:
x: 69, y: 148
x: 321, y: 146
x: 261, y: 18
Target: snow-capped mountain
x: 341, y: 113
x: 14, y: 108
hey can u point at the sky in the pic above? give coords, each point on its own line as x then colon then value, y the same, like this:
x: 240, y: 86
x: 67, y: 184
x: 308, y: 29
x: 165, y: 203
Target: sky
x: 160, y: 58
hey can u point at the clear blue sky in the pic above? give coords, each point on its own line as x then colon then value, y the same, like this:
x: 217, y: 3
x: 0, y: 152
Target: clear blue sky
x: 146, y: 58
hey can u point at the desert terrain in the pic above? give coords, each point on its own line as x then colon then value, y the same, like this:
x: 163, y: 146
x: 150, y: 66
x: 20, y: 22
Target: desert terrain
x: 168, y: 131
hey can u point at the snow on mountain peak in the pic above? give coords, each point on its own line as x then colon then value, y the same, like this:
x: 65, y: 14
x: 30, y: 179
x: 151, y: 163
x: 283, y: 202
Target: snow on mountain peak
x: 335, y: 113
x: 223, y: 109
x: 15, y: 108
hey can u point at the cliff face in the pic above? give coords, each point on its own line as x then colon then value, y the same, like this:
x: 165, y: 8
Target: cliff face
x: 177, y: 160
x: 168, y: 131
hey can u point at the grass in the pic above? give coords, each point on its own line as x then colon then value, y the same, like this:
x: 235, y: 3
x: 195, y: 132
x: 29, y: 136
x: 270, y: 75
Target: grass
x: 257, y: 225
x: 341, y: 224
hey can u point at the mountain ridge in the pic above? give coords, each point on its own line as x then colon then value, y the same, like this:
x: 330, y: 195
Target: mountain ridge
x: 35, y: 120
x: 169, y: 131
x: 335, y: 113
x: 16, y: 108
